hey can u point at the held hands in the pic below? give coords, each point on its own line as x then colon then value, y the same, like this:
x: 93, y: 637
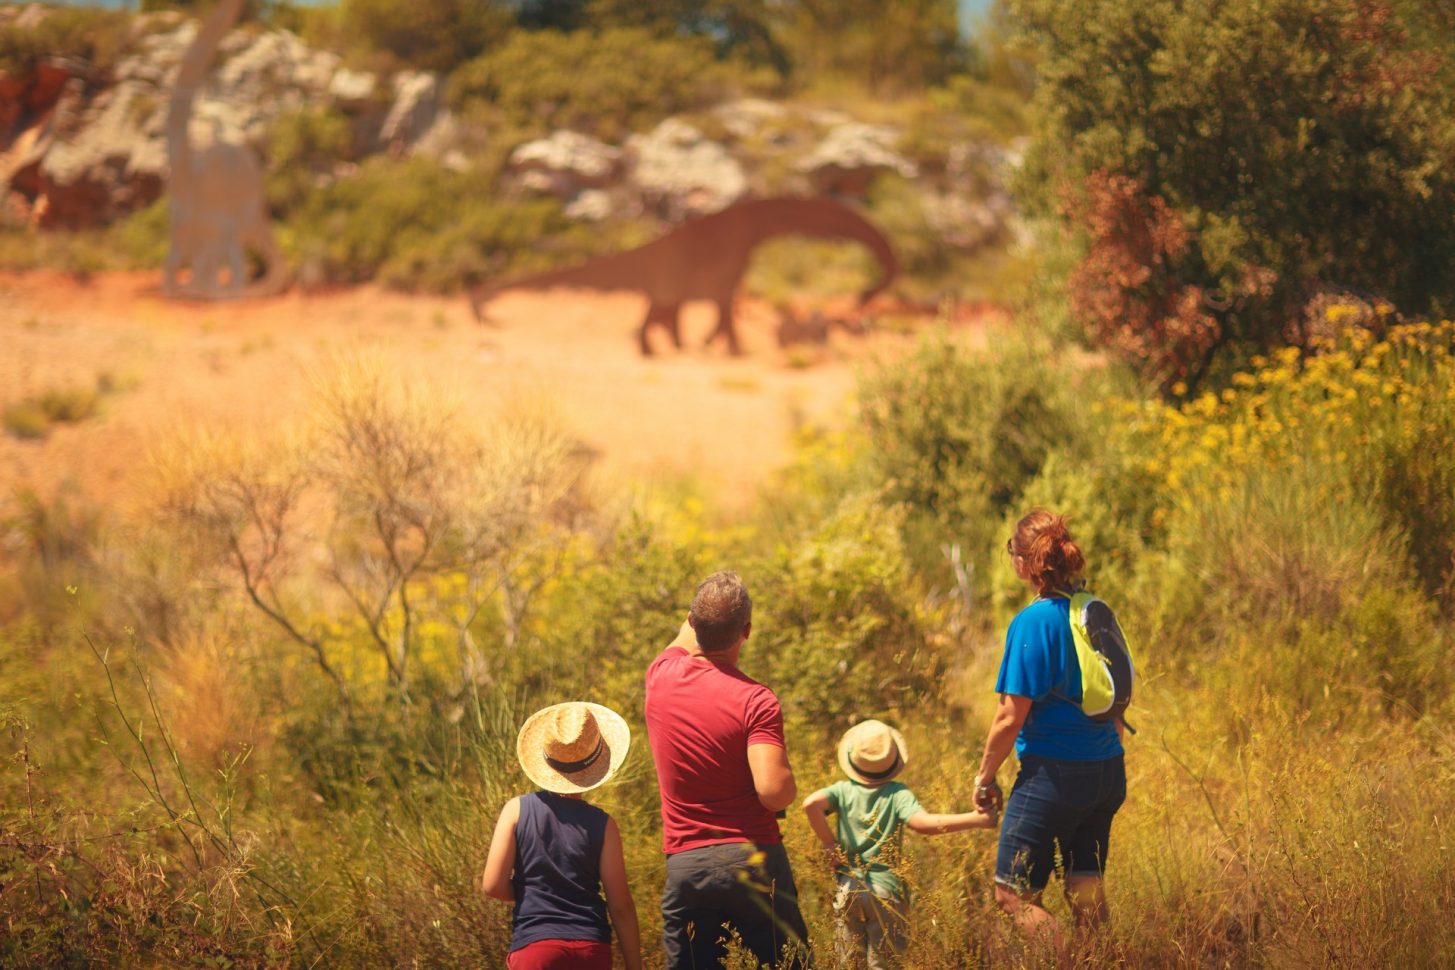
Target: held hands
x: 988, y: 796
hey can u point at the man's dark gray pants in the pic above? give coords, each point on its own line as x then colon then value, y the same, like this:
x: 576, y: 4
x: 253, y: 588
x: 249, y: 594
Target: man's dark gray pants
x: 736, y: 886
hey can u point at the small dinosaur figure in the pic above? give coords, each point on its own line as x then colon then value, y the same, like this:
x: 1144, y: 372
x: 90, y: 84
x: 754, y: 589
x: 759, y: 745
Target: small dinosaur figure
x: 705, y: 259
x: 217, y: 208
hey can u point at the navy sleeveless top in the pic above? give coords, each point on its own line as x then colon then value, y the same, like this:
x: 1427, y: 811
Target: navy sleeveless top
x: 557, y: 878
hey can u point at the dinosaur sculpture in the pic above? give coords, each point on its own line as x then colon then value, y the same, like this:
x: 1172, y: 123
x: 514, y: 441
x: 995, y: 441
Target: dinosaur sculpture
x: 216, y: 188
x: 705, y: 259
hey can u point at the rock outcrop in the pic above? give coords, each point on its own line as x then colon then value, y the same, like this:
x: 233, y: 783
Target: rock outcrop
x: 566, y: 164
x: 76, y: 152
x: 416, y: 103
x: 850, y: 156
x: 682, y: 173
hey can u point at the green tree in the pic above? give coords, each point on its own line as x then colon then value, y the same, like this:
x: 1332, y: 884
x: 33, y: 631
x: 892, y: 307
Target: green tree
x: 890, y: 48
x: 435, y: 35
x: 607, y: 83
x: 1226, y: 161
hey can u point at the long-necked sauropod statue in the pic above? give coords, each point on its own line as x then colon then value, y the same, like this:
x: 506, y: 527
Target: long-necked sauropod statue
x: 216, y: 188
x: 705, y: 259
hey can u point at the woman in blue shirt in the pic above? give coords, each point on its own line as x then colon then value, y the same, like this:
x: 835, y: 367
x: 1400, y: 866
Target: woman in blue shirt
x: 1072, y: 779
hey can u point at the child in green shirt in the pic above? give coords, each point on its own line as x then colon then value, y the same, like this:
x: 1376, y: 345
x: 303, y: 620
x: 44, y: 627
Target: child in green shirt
x: 871, y: 905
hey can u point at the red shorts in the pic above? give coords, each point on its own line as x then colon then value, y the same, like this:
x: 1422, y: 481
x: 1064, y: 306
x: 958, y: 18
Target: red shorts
x: 561, y: 955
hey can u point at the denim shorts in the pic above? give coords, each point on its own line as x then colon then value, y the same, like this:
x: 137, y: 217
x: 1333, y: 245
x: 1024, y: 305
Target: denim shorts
x: 1065, y: 804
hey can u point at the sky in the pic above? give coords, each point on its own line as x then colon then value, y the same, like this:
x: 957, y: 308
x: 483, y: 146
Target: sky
x: 969, y: 9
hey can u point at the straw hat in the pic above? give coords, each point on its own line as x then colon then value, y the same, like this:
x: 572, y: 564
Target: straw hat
x: 871, y: 752
x: 572, y: 747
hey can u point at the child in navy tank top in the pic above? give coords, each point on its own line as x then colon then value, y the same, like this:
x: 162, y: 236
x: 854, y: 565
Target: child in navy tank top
x: 552, y: 854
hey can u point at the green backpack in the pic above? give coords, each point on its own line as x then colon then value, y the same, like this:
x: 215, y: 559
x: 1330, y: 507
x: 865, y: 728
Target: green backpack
x: 1105, y: 659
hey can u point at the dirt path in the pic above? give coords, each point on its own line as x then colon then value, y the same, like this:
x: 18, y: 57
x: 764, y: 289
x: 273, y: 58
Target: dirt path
x: 728, y: 423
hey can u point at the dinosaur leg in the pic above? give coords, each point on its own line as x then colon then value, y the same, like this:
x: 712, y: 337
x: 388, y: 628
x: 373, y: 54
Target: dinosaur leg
x: 205, y: 265
x: 169, y: 271
x: 725, y: 327
x: 236, y: 271
x: 275, y: 267
x: 666, y: 315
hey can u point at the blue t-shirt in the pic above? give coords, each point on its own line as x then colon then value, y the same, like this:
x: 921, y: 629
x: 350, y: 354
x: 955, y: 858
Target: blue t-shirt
x: 1040, y: 663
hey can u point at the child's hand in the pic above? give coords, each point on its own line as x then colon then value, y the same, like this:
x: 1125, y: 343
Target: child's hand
x: 832, y: 857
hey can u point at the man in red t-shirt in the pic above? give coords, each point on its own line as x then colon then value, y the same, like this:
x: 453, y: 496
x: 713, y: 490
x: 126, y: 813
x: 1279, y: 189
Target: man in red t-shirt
x: 722, y: 766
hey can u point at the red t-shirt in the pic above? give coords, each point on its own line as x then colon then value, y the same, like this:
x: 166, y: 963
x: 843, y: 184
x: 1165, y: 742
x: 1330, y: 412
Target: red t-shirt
x: 701, y: 717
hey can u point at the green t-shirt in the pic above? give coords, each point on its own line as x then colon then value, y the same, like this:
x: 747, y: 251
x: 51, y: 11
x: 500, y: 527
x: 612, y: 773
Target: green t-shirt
x: 870, y: 823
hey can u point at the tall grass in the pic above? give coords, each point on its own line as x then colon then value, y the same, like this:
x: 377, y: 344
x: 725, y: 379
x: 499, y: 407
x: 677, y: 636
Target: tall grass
x: 195, y: 790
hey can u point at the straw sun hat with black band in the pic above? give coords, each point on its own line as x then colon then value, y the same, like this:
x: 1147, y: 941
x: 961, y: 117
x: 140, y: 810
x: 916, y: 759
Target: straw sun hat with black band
x: 572, y: 747
x: 872, y: 753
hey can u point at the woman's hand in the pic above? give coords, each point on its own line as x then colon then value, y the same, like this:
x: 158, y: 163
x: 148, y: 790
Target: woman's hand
x: 988, y: 797
x: 1010, y: 714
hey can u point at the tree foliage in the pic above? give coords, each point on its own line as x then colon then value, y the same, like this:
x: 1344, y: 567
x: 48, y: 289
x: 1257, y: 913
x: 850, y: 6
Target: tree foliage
x: 889, y: 48
x: 435, y: 35
x: 535, y: 81
x: 1304, y: 145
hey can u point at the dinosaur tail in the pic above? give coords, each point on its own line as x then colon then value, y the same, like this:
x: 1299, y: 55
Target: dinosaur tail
x: 614, y: 272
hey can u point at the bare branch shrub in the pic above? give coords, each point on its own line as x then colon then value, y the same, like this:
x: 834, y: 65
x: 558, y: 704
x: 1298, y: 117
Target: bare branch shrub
x: 382, y: 518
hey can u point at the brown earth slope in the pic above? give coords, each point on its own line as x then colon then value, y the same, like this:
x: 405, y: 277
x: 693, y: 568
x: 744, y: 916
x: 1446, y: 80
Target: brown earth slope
x: 727, y: 423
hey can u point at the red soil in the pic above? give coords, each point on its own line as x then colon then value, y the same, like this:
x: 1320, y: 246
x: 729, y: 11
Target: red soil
x: 725, y: 422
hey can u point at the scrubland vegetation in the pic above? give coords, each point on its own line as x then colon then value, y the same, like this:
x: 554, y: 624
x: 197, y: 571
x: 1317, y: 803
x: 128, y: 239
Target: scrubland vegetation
x: 272, y: 721
x: 269, y: 720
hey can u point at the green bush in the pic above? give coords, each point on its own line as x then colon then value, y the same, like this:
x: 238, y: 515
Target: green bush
x: 1270, y: 150
x: 957, y: 435
x: 435, y: 35
x: 138, y: 241
x: 419, y: 226
x: 302, y: 148
x: 34, y: 416
x: 835, y: 632
x: 27, y: 419
x: 883, y: 48
x: 607, y: 83
x: 141, y: 240
x: 88, y: 34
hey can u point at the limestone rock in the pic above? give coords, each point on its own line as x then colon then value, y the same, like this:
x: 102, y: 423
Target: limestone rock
x: 442, y: 138
x: 352, y: 88
x: 682, y: 173
x: 103, y: 167
x: 592, y: 205
x: 744, y: 117
x: 416, y: 102
x: 565, y: 163
x: 106, y: 155
x: 31, y: 94
x: 850, y: 156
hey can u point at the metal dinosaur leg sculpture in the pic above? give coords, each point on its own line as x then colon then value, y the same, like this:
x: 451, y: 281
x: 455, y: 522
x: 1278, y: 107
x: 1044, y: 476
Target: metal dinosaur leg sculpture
x: 217, y: 204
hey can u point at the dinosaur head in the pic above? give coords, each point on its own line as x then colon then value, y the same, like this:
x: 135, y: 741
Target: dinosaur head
x: 888, y: 265
x: 885, y: 279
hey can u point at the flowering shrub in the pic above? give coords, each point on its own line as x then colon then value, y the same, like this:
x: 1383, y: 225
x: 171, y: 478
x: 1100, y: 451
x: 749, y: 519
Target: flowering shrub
x: 1304, y: 517
x: 1377, y: 409
x: 1128, y: 288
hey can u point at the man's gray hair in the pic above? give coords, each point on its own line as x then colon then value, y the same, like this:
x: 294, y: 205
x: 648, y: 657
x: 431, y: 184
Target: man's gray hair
x: 721, y: 611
